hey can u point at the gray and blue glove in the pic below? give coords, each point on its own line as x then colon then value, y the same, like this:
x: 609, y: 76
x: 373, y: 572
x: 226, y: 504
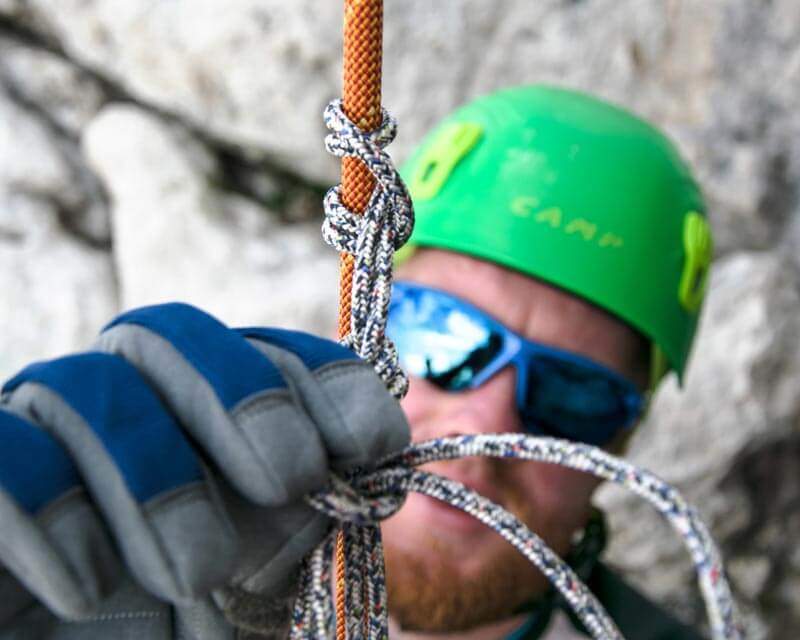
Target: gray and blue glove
x: 177, y: 454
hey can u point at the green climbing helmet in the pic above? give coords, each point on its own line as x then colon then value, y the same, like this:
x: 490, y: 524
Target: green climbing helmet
x: 575, y: 192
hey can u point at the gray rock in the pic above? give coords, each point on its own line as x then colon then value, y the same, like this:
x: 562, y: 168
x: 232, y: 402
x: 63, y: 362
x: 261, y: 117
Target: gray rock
x: 58, y: 288
x: 178, y: 237
x: 260, y: 72
x: 9, y: 7
x: 729, y: 441
x: 44, y: 102
x: 38, y: 165
x: 718, y: 76
x: 751, y: 162
x: 251, y: 72
x: 67, y: 96
x: 57, y: 291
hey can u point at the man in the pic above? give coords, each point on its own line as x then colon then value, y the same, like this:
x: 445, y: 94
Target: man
x: 577, y: 228
x: 152, y: 488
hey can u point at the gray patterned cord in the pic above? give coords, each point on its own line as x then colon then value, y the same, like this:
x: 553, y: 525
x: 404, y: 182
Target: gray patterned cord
x: 372, y: 238
x: 359, y: 501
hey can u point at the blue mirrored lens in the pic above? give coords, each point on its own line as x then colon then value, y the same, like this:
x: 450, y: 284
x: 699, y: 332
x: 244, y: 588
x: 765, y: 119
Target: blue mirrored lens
x: 578, y: 401
x: 455, y: 346
x: 439, y: 341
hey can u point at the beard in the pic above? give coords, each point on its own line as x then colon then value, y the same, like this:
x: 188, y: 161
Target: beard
x: 430, y: 590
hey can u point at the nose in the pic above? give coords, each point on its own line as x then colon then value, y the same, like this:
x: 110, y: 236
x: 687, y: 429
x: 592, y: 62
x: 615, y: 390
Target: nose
x: 435, y: 413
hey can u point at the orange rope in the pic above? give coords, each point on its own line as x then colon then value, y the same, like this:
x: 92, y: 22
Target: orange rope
x: 363, y: 55
x: 341, y: 623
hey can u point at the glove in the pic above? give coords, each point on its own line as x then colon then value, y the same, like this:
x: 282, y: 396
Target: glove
x: 177, y: 452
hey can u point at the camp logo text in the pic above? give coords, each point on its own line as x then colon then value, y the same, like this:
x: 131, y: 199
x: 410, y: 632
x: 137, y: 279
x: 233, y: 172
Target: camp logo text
x: 526, y: 207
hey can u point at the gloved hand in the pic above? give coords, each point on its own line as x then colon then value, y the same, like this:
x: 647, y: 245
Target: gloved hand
x: 177, y: 452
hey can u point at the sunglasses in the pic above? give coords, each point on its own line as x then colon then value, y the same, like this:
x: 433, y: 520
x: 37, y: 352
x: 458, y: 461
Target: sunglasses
x: 455, y: 346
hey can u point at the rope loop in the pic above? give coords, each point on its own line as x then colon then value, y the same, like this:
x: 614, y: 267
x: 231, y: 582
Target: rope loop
x: 363, y: 498
x: 372, y: 238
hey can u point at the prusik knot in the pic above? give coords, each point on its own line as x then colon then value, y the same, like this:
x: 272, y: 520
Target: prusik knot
x: 361, y: 500
x: 372, y: 238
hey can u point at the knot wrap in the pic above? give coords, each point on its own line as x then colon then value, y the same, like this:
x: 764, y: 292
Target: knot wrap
x: 372, y: 238
x: 364, y: 501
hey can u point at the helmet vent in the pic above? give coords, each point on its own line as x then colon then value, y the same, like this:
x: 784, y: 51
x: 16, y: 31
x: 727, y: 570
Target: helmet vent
x: 448, y: 147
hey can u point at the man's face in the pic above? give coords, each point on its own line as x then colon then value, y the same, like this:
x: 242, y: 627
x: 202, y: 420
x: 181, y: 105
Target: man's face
x: 445, y: 570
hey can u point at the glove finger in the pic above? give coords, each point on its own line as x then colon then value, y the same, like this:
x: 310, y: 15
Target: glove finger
x: 274, y: 541
x: 138, y: 467
x: 260, y: 597
x: 231, y: 398
x: 51, y: 539
x: 358, y: 418
x: 129, y: 613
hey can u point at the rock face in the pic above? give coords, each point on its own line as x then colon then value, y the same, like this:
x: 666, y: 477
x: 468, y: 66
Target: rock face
x: 55, y: 267
x: 177, y: 237
x: 57, y: 291
x: 152, y: 151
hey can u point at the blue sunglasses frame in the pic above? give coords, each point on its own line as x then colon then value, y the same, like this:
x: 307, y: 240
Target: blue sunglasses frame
x: 523, y: 354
